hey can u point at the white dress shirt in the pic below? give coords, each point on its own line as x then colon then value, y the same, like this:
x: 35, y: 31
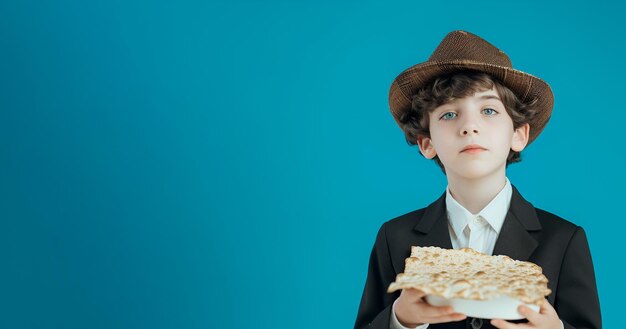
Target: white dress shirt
x: 478, y: 232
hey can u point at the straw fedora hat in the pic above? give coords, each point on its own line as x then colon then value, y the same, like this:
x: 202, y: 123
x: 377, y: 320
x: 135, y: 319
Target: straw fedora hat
x: 461, y: 50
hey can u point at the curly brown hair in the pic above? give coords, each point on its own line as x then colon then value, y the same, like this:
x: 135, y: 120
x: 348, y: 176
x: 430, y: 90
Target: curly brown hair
x: 446, y: 88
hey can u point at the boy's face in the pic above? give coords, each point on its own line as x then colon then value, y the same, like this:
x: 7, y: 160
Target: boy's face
x: 473, y: 135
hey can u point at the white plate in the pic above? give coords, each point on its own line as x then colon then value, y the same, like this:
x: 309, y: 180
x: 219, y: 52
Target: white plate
x: 503, y: 307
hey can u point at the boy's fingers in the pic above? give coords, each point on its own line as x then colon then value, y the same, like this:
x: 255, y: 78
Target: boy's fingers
x: 432, y: 312
x: 546, y: 308
x: 413, y: 294
x: 436, y: 311
x: 532, y: 316
x: 428, y: 313
x: 446, y: 318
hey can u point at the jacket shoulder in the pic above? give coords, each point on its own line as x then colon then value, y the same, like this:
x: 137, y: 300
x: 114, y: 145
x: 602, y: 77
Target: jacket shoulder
x: 407, y: 220
x: 553, y: 222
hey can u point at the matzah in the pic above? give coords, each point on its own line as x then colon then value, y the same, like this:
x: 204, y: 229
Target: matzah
x: 469, y: 274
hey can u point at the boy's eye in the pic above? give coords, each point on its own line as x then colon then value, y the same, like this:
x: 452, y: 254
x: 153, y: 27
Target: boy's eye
x: 448, y: 116
x: 489, y: 111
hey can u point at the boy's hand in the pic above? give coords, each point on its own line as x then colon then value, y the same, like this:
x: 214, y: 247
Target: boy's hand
x: 412, y: 310
x: 545, y: 319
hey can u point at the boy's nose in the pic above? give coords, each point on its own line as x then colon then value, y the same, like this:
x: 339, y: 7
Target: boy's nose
x: 467, y: 131
x: 469, y: 128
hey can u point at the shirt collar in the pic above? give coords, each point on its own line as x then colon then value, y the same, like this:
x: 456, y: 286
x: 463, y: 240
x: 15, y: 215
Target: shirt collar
x: 494, y: 212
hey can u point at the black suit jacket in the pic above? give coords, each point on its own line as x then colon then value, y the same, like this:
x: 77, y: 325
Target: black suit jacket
x: 528, y: 234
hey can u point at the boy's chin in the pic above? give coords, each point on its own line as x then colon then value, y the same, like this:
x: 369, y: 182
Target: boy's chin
x: 474, y: 173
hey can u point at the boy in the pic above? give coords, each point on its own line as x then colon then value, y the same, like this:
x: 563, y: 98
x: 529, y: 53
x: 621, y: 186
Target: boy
x: 470, y: 111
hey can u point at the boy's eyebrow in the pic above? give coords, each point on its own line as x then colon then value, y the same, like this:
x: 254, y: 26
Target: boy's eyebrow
x: 490, y: 97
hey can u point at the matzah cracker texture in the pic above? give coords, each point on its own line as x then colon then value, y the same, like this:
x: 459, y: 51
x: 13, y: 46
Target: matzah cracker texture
x: 469, y: 274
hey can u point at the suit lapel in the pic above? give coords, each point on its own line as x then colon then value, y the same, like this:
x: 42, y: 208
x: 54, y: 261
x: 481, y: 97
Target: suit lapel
x: 433, y: 226
x: 514, y: 239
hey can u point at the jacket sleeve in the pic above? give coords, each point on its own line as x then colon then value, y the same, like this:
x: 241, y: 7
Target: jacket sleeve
x: 376, y: 304
x: 577, y: 300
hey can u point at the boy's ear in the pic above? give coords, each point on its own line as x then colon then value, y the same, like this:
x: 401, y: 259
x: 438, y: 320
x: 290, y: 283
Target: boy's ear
x: 426, y: 147
x: 520, y: 138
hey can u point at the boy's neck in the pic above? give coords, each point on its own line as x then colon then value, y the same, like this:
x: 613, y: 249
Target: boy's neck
x: 475, y: 194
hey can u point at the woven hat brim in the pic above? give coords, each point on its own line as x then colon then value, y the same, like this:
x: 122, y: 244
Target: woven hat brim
x: 524, y: 85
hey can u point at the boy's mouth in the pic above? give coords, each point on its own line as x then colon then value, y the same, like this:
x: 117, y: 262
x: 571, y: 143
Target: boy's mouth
x: 473, y: 148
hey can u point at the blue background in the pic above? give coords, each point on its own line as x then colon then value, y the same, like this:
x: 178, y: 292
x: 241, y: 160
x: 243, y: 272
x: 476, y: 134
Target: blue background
x: 201, y: 165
